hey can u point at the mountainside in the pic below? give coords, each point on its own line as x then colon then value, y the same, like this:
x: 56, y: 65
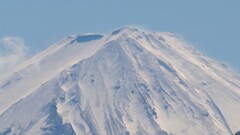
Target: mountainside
x: 130, y: 81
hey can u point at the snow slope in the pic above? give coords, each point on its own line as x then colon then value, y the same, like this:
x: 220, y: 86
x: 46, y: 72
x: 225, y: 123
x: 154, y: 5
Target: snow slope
x: 130, y: 81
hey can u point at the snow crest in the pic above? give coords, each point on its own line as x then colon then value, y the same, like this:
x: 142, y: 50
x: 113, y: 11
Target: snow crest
x: 128, y: 82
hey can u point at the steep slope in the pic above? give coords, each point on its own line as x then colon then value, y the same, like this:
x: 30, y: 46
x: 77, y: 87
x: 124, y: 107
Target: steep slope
x: 128, y: 82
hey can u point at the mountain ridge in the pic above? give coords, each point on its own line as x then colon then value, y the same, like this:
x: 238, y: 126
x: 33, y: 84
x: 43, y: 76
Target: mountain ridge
x: 127, y: 82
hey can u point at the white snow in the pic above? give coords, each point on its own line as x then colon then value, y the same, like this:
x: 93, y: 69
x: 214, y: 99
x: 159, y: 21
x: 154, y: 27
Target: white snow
x: 130, y: 81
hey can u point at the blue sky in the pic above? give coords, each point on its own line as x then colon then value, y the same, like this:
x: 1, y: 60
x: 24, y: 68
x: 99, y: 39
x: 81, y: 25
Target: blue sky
x: 212, y: 26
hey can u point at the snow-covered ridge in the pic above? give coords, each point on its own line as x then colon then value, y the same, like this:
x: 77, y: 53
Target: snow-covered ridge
x: 129, y: 81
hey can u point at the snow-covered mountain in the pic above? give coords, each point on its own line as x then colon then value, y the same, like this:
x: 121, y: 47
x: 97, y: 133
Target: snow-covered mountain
x: 128, y: 82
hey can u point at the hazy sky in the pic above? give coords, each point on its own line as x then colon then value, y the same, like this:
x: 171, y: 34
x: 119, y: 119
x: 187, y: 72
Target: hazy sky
x: 212, y: 26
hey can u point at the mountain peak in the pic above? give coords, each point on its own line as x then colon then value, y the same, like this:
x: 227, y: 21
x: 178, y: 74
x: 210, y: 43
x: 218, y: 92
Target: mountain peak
x: 126, y: 29
x: 127, y: 82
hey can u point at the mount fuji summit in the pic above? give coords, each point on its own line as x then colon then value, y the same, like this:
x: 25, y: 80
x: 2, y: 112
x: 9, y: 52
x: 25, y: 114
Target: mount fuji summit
x: 128, y: 82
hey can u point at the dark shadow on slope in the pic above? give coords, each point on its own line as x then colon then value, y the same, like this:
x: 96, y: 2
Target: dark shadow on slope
x: 165, y: 66
x: 116, y: 32
x: 6, y: 131
x: 55, y: 125
x: 87, y: 38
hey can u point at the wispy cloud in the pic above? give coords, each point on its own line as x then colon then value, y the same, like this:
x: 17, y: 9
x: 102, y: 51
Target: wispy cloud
x: 12, y: 52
